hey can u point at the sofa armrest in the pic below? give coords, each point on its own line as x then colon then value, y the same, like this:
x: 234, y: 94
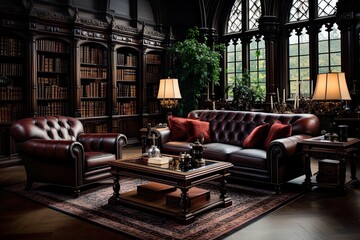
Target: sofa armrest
x: 60, y: 151
x: 164, y: 135
x: 283, y: 152
x: 103, y: 142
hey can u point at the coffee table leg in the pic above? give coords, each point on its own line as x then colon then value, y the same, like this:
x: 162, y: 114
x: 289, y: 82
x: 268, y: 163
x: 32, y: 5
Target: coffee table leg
x: 115, y: 198
x: 185, y: 217
x: 223, y: 190
x: 307, y: 182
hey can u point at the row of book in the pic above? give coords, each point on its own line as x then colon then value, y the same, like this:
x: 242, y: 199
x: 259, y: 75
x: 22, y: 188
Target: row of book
x: 94, y: 89
x: 153, y: 59
x: 152, y: 77
x: 46, y: 91
x: 11, y: 112
x: 126, y: 74
x: 153, y: 90
x: 98, y: 128
x: 126, y: 60
x: 93, y: 72
x: 126, y: 90
x: 11, y: 69
x: 52, y: 80
x: 52, y: 46
x: 53, y: 108
x: 11, y: 47
x: 92, y: 55
x: 51, y: 64
x: 93, y: 108
x: 11, y: 93
x: 128, y: 108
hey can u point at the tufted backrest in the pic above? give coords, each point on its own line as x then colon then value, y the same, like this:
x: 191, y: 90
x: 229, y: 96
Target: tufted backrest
x: 233, y: 127
x: 47, y: 127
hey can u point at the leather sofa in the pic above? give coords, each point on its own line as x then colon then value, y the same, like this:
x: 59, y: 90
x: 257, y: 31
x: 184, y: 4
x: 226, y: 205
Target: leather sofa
x: 280, y: 162
x: 55, y: 150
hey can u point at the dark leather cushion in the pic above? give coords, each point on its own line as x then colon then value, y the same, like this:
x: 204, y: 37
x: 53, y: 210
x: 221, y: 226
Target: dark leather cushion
x: 179, y: 128
x: 257, y: 137
x: 277, y: 130
x: 196, y: 128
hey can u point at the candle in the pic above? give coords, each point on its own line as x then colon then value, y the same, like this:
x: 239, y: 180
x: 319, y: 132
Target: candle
x: 277, y: 94
x: 301, y: 88
x: 284, y: 95
x: 271, y: 102
x: 295, y: 99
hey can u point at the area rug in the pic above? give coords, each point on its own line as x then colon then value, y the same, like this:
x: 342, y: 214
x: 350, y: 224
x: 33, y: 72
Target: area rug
x: 92, y: 205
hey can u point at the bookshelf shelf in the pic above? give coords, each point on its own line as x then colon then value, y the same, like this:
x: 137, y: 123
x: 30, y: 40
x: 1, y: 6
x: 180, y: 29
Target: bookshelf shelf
x: 52, y: 79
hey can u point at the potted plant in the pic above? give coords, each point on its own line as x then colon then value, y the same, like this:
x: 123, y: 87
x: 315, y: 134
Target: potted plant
x: 196, y: 65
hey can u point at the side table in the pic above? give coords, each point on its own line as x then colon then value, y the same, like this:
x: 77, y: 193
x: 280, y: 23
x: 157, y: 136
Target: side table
x: 319, y: 148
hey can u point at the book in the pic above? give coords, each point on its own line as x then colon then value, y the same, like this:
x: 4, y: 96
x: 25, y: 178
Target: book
x: 196, y: 195
x: 154, y: 190
x: 159, y: 160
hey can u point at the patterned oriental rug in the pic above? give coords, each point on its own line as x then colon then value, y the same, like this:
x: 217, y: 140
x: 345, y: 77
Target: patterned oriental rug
x: 248, y: 205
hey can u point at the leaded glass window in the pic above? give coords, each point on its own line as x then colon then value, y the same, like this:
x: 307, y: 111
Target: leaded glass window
x: 234, y: 23
x: 299, y: 10
x: 254, y: 13
x: 234, y: 63
x: 257, y: 58
x: 299, y: 63
x: 329, y: 46
x: 326, y: 7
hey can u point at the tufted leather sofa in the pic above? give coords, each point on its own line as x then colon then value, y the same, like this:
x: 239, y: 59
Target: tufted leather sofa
x: 279, y: 163
x: 55, y: 149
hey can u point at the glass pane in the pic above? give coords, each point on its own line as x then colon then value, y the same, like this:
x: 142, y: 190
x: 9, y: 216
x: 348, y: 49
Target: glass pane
x: 231, y: 56
x: 253, y: 65
x: 231, y: 67
x: 293, y: 62
x: 304, y: 61
x: 323, y: 60
x: 335, y: 45
x: 335, y: 59
x: 304, y: 48
x: 293, y: 37
x: 323, y: 34
x: 293, y: 74
x: 323, y: 46
x: 336, y: 68
x: 305, y: 73
x: 253, y: 55
x: 262, y: 65
x: 324, y: 69
x: 293, y: 50
x: 238, y: 67
x: 254, y: 13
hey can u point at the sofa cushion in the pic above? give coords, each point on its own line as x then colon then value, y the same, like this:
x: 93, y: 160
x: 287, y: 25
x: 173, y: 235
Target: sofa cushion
x: 98, y: 159
x: 257, y: 137
x: 219, y: 151
x: 179, y: 128
x: 277, y: 130
x: 252, y: 158
x: 176, y: 147
x: 196, y: 128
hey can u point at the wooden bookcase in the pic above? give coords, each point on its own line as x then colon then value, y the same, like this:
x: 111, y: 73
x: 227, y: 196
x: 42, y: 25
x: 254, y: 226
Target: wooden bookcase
x: 94, y: 80
x: 127, y: 82
x: 52, y: 83
x: 12, y: 87
x: 153, y: 73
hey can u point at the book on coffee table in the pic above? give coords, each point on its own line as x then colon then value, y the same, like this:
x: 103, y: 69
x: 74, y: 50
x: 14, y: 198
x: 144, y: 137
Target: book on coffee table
x: 154, y: 190
x: 196, y: 195
x: 159, y: 160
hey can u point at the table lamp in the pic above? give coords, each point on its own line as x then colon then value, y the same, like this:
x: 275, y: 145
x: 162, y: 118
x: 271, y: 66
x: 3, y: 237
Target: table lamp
x: 169, y: 93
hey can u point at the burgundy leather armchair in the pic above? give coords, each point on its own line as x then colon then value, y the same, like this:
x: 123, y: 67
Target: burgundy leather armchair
x: 55, y: 150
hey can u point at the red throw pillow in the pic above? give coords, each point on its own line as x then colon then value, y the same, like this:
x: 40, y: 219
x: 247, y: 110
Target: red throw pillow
x: 256, y: 138
x: 277, y: 130
x: 197, y: 127
x: 179, y: 128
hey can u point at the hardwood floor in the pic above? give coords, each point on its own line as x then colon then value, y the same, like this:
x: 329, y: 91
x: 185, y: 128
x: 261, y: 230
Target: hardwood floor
x: 319, y: 214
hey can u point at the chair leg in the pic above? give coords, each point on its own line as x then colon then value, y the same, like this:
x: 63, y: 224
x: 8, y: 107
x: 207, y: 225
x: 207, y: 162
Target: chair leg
x: 76, y: 193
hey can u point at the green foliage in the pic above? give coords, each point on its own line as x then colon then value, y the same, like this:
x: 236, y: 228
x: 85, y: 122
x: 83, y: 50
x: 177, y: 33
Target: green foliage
x: 244, y: 95
x: 196, y: 66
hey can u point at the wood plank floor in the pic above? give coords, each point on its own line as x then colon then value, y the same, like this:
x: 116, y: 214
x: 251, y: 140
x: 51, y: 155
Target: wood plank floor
x: 320, y: 214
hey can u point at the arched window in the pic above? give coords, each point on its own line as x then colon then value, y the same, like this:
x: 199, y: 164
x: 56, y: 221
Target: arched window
x: 245, y: 56
x: 310, y: 31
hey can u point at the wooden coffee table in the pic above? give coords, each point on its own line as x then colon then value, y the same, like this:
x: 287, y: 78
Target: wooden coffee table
x: 171, y: 175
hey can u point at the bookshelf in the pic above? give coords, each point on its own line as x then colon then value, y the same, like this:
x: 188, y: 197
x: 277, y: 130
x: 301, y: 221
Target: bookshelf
x: 12, y: 86
x: 94, y: 80
x: 153, y: 73
x: 126, y: 81
x: 52, y: 81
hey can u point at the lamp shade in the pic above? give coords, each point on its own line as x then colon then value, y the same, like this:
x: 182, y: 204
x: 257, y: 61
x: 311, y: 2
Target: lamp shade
x: 169, y: 89
x: 331, y: 86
